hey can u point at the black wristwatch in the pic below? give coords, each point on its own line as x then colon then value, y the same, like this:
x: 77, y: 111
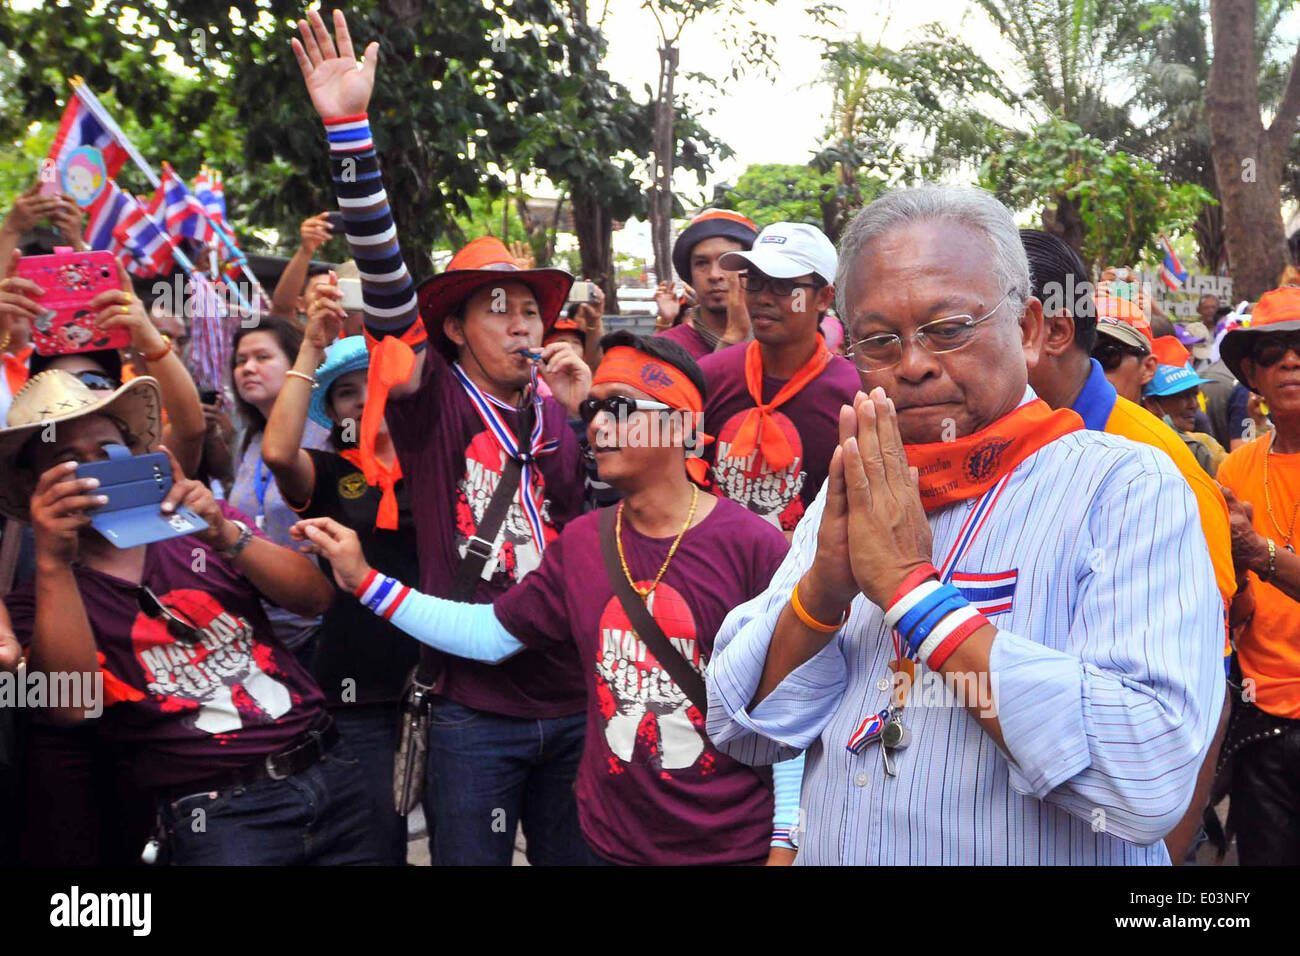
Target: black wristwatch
x: 245, y: 536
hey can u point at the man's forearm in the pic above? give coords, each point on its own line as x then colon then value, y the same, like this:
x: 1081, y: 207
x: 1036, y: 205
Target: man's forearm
x: 290, y: 285
x: 285, y: 578
x: 62, y: 640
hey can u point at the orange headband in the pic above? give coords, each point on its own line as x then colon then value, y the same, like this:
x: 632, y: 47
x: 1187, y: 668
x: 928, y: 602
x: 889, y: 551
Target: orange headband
x: 627, y: 366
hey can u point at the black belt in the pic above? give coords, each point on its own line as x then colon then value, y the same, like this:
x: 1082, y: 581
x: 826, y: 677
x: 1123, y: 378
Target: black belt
x: 305, y: 750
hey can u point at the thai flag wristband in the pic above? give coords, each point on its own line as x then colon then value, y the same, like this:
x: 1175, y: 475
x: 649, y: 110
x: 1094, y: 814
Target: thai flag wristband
x: 951, y: 635
x: 781, y: 838
x: 926, y: 613
x: 382, y: 594
x: 349, y: 134
x: 917, y: 577
x: 908, y: 601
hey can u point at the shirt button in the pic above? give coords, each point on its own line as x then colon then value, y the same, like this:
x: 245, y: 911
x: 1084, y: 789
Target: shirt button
x: 882, y: 684
x: 861, y: 779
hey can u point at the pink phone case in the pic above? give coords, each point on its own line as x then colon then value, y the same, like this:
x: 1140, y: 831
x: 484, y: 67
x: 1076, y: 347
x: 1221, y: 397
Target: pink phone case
x: 71, y: 280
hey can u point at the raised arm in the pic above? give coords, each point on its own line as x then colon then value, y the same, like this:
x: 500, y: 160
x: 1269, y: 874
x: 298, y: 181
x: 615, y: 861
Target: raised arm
x: 282, y: 441
x: 315, y: 231
x: 340, y: 89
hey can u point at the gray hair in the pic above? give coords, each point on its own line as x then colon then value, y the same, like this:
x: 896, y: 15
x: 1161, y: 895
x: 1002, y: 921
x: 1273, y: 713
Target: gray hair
x: 960, y: 205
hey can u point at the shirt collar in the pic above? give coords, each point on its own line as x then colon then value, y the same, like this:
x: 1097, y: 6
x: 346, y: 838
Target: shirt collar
x: 1096, y: 400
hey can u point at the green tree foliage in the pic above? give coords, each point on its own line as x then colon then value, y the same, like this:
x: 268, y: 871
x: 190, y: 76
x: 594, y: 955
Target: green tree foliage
x: 783, y: 192
x: 1120, y: 203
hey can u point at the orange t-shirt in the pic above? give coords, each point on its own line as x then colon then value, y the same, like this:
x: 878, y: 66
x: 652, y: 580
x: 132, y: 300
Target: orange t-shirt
x: 1269, y: 645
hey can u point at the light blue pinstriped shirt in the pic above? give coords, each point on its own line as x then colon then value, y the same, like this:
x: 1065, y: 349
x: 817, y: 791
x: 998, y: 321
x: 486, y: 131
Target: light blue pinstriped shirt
x: 1108, y: 681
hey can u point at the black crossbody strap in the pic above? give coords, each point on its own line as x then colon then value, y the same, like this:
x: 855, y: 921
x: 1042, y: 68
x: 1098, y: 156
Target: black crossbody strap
x: 647, y: 628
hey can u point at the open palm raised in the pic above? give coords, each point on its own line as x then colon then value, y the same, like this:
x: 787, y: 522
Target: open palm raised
x: 336, y: 85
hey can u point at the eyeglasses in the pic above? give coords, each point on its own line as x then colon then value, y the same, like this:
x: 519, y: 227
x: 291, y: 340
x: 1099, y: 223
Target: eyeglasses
x: 1112, y: 354
x: 620, y: 406
x: 885, y: 349
x: 181, y: 629
x: 99, y: 380
x: 781, y: 288
x: 1271, y: 350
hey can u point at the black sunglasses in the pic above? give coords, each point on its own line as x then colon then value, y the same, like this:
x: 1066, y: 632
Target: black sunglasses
x: 100, y: 380
x: 781, y: 288
x: 620, y: 406
x: 183, y: 630
x: 1271, y: 350
x: 1111, y: 356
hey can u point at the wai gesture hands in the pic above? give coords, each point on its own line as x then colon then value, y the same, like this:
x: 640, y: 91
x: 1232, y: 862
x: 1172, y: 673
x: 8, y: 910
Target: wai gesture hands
x: 339, y: 85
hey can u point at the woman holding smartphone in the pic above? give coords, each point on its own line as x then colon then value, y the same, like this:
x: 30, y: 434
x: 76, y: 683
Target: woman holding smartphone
x: 361, y: 664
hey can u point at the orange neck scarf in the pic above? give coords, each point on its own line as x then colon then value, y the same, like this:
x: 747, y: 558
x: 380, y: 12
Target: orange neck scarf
x: 387, y: 479
x: 952, y: 471
x: 16, y: 369
x: 753, y: 433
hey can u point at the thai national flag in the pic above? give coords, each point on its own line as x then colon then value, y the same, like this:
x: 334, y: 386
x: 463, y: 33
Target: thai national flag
x: 1172, y: 272
x: 183, y: 215
x: 210, y: 190
x: 141, y: 242
x: 80, y: 127
x: 988, y: 593
x: 105, y: 214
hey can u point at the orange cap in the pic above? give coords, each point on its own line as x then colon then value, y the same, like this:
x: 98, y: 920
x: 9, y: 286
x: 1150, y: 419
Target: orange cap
x: 1280, y: 305
x: 1169, y: 351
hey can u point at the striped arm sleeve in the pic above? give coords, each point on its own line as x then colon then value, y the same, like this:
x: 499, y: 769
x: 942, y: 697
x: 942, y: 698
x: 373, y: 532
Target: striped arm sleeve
x: 467, y: 630
x: 789, y: 719
x: 386, y: 285
x: 1113, y: 729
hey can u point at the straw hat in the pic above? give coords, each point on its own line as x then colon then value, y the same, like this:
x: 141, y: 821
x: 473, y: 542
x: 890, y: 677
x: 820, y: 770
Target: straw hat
x: 58, y: 396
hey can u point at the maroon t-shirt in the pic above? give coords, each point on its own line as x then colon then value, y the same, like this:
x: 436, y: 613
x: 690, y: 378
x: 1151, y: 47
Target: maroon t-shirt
x: 451, y: 463
x: 810, y: 422
x: 689, y: 339
x: 652, y: 789
x: 205, y: 708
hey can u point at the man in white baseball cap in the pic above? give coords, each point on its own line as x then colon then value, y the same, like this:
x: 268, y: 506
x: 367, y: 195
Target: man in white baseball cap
x: 773, y: 403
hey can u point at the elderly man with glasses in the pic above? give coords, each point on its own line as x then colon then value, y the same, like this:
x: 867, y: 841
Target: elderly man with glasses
x: 967, y: 527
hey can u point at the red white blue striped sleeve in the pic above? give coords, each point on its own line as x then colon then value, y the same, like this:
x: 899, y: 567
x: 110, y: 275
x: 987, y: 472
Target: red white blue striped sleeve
x: 472, y: 631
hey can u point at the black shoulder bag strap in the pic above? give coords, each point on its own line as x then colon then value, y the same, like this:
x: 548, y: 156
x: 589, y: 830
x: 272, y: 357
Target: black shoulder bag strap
x: 652, y: 636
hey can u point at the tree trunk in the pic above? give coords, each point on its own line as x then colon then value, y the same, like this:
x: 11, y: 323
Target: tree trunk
x: 1064, y: 221
x: 1208, y: 227
x: 595, y: 229
x: 1248, y: 168
x: 661, y: 193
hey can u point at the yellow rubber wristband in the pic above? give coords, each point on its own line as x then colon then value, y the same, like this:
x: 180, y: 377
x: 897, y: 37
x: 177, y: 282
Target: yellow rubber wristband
x: 810, y: 621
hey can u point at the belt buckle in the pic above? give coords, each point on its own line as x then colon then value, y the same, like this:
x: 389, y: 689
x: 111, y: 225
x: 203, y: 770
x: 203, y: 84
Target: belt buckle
x: 479, y: 547
x: 272, y: 769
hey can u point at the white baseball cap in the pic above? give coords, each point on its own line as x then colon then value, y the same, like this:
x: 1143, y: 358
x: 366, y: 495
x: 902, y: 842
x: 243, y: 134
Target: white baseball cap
x: 786, y: 250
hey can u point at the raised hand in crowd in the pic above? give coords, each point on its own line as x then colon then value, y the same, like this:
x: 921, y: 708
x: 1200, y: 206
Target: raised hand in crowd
x: 523, y: 257
x: 325, y: 314
x: 337, y: 544
x: 60, y: 509
x: 669, y: 306
x: 590, y: 320
x: 17, y: 295
x: 738, y: 325
x: 287, y: 300
x: 218, y: 443
x: 70, y: 220
x: 186, y: 428
x: 30, y: 208
x: 336, y: 86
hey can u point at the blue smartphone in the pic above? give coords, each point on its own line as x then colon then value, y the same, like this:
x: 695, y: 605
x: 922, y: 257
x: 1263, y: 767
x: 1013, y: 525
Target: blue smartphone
x: 136, y: 486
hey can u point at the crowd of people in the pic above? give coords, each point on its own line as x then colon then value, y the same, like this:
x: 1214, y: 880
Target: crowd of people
x: 890, y: 553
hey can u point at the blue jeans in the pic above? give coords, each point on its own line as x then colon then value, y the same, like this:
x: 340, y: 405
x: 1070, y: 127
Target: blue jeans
x: 370, y: 731
x: 489, y: 773
x: 319, y: 817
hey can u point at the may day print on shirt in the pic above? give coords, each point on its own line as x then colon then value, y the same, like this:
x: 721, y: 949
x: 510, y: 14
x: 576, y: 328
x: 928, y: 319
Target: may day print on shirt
x: 750, y: 481
x: 515, y: 552
x: 226, y: 680
x: 648, y: 719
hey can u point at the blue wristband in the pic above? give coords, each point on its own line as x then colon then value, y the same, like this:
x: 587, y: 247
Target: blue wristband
x: 922, y: 610
x: 922, y: 631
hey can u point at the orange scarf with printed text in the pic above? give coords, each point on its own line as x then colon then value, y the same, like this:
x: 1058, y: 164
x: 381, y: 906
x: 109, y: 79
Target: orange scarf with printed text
x: 952, y: 471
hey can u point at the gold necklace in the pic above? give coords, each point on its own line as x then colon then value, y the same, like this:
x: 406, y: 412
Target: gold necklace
x: 1268, y: 502
x: 618, y: 537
